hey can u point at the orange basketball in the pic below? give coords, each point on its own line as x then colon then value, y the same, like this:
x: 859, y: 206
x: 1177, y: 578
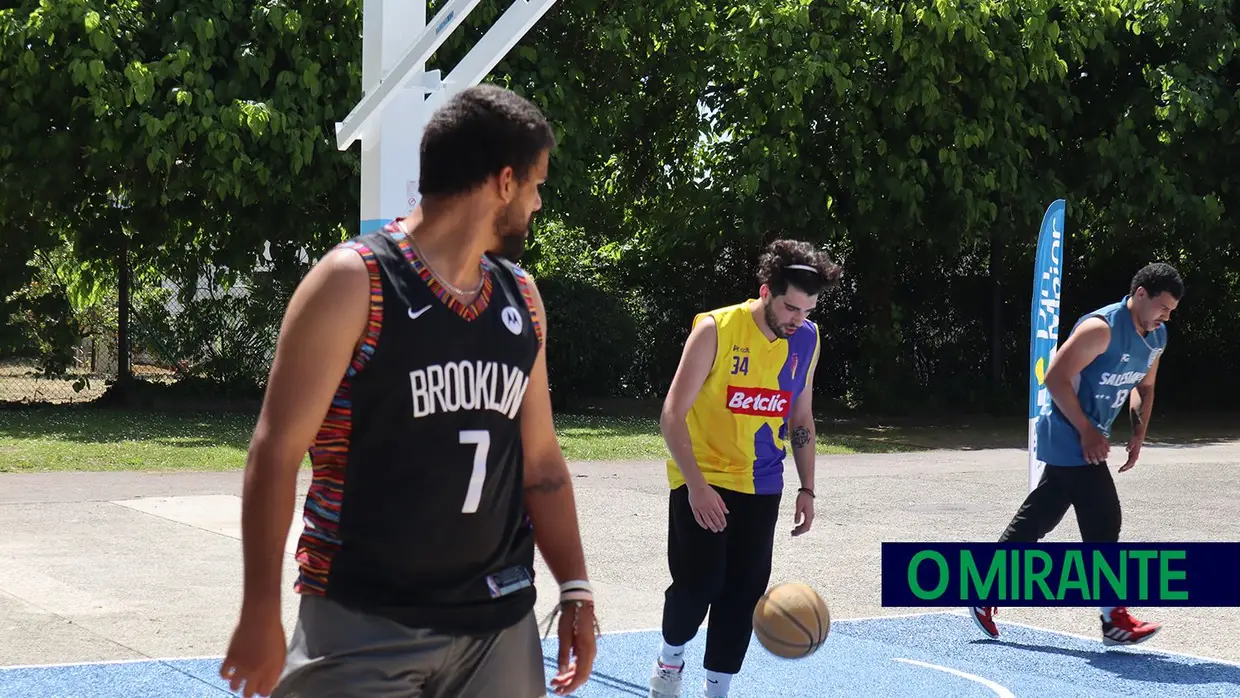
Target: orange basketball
x: 791, y: 620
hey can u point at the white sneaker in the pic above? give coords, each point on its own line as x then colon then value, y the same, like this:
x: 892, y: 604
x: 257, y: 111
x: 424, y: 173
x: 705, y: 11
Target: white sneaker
x: 665, y: 680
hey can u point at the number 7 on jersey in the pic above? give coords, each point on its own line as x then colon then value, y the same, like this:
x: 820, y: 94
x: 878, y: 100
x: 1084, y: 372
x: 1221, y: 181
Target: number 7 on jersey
x: 481, y: 439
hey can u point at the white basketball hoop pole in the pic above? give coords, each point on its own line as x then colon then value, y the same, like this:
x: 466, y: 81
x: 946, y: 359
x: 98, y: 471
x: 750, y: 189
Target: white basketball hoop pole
x: 395, y: 106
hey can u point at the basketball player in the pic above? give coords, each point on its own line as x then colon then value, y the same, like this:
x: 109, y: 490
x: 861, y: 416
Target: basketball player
x: 412, y: 364
x: 745, y: 382
x: 1110, y: 357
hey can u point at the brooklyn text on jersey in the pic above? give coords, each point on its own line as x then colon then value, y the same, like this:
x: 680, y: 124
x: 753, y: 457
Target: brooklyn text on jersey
x: 468, y: 385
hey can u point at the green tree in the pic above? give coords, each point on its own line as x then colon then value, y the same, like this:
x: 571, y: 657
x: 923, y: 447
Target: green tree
x: 187, y: 132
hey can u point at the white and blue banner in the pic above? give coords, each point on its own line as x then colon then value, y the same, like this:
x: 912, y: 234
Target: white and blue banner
x: 1044, y: 321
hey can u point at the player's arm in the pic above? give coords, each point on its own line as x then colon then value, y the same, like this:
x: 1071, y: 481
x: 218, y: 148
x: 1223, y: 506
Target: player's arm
x: 548, y: 484
x: 801, y: 424
x: 322, y: 325
x: 1141, y: 402
x: 1085, y: 344
x: 696, y: 361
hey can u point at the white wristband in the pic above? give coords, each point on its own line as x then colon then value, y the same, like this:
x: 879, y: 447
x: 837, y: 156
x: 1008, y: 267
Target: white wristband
x: 576, y: 590
x: 576, y: 585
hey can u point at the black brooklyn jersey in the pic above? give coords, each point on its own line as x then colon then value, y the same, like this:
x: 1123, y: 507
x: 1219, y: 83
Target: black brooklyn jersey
x: 417, y: 509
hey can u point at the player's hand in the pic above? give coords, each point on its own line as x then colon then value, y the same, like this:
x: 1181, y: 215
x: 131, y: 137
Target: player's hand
x: 1134, y: 451
x: 708, y: 508
x: 1094, y: 445
x: 577, y: 647
x: 804, y: 516
x: 256, y: 653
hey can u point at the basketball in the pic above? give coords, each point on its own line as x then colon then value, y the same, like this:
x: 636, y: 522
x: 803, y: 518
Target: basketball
x: 791, y: 620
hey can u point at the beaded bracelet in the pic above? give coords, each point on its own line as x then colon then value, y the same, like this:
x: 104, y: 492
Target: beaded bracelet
x: 576, y: 605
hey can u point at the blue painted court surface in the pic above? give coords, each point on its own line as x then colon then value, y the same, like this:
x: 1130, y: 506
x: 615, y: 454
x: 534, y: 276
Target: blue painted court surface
x: 913, y: 656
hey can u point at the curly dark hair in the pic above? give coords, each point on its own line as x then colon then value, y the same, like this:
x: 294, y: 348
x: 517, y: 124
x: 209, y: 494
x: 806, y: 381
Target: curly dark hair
x: 1156, y: 278
x: 475, y: 134
x: 774, y: 271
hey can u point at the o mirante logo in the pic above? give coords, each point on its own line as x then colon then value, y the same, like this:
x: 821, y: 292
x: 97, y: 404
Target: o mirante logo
x: 1060, y: 574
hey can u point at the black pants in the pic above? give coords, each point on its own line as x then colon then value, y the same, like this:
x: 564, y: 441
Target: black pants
x: 724, y: 573
x: 1089, y: 489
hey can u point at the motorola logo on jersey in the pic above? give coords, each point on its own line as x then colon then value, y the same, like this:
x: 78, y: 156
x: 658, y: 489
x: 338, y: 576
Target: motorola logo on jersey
x: 512, y: 319
x: 468, y: 385
x: 759, y: 402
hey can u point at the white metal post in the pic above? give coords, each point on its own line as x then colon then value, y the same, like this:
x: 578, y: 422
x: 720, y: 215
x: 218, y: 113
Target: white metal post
x: 388, y: 159
x: 493, y: 46
x: 394, y: 108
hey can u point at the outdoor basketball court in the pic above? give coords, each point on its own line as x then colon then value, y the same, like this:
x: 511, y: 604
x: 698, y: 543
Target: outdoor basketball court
x: 915, y: 656
x: 924, y: 655
x: 128, y: 584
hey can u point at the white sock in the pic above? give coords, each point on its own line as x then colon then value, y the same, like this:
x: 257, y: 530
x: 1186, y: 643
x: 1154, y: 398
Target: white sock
x: 717, y: 684
x: 672, y: 655
x: 1106, y: 612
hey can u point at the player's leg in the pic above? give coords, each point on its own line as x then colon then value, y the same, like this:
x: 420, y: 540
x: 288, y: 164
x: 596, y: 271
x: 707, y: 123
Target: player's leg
x: 747, y: 574
x: 1099, y: 516
x: 1096, y: 502
x: 1042, y: 509
x: 695, y: 559
x: 1037, y: 516
x: 508, y: 663
x: 337, y: 651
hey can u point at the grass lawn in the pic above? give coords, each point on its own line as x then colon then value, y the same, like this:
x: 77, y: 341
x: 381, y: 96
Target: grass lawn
x: 50, y: 439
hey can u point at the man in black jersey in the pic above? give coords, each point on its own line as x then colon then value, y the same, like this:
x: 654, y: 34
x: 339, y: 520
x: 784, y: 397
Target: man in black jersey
x: 411, y: 364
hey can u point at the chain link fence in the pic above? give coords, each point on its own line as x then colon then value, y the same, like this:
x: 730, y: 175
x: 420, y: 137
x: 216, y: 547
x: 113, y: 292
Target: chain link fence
x: 66, y: 341
x: 24, y: 379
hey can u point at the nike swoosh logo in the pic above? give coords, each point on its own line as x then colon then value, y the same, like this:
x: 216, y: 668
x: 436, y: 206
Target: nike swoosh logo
x: 415, y: 315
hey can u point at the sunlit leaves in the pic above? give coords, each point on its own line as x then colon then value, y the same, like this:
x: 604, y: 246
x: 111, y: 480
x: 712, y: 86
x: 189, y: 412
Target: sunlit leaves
x: 213, y: 114
x: 909, y: 137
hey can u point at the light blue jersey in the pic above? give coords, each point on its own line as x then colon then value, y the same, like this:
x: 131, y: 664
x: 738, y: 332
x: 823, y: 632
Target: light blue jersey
x: 1102, y: 387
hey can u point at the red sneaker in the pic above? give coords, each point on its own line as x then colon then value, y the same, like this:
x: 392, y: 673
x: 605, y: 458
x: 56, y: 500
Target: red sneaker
x: 984, y: 617
x: 1126, y: 630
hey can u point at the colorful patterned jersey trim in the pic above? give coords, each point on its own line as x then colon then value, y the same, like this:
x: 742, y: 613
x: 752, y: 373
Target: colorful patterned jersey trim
x: 527, y: 292
x: 329, y: 454
x: 469, y: 312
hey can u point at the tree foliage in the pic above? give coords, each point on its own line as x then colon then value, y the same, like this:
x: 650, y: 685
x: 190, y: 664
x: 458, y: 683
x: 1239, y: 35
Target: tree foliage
x: 195, y: 129
x: 920, y: 142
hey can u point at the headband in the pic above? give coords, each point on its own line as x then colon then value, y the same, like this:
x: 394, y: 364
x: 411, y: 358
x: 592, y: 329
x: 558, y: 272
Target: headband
x: 804, y: 267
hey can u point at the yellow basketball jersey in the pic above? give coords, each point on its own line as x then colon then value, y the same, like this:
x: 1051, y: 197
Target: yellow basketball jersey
x: 739, y: 422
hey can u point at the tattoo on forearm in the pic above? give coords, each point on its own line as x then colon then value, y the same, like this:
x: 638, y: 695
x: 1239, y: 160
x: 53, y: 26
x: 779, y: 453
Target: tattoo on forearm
x: 800, y: 437
x: 547, y: 485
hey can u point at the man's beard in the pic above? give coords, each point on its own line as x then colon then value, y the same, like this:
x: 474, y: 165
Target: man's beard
x: 1147, y: 325
x: 773, y: 322
x: 511, y: 247
x: 512, y: 244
